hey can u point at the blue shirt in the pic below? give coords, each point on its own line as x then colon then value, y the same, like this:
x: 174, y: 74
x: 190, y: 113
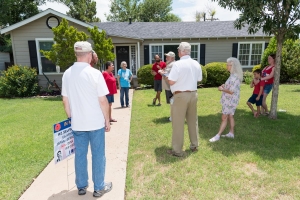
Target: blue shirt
x: 125, y: 76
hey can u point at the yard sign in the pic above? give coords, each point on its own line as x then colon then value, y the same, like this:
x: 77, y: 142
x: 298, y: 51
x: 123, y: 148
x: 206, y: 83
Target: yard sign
x: 63, y: 140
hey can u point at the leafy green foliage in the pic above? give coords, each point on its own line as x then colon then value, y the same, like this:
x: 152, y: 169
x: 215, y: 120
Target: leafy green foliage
x: 204, y: 74
x: 217, y: 73
x: 256, y: 67
x: 62, y: 52
x: 141, y: 11
x: 18, y: 81
x: 84, y: 10
x: 103, y: 45
x: 144, y: 75
x: 248, y: 77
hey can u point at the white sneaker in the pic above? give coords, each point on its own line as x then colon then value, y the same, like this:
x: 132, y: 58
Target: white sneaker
x: 214, y: 139
x: 228, y: 135
x: 170, y: 119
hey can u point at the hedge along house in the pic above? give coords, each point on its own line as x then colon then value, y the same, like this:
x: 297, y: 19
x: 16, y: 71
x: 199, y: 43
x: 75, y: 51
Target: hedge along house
x: 138, y: 42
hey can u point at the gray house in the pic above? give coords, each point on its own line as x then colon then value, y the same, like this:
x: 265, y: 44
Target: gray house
x: 138, y: 42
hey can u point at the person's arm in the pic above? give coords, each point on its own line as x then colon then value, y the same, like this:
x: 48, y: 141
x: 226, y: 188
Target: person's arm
x: 130, y: 75
x: 67, y: 106
x: 174, y: 75
x: 260, y: 92
x: 252, y: 84
x: 105, y: 110
x: 118, y: 78
x: 271, y: 75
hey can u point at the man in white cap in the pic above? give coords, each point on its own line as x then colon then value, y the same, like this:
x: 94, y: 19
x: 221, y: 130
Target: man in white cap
x: 84, y: 96
x: 170, y: 57
x: 183, y: 79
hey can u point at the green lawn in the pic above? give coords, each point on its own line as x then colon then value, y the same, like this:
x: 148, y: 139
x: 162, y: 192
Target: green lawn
x: 262, y: 162
x: 26, y: 144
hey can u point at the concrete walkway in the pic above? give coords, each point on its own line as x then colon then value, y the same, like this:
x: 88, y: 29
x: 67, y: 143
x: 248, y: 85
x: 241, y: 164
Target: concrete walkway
x: 57, y: 182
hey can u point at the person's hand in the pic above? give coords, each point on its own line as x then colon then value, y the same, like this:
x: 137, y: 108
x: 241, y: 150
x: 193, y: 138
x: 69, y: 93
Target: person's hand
x: 221, y: 88
x: 158, y: 67
x: 107, y: 125
x: 154, y: 73
x: 257, y: 98
x: 160, y: 71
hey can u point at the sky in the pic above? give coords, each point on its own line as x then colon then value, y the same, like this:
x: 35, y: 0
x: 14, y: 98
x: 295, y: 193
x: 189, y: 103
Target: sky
x: 185, y: 9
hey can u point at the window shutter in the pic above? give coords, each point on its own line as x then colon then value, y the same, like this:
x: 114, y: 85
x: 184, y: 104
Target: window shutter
x: 146, y: 54
x: 202, y: 54
x: 33, y: 54
x: 266, y: 45
x: 235, y: 50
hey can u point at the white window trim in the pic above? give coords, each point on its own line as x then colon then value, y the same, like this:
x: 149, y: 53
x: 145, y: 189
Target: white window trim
x: 163, y: 53
x: 136, y: 57
x: 249, y: 60
x: 37, y: 43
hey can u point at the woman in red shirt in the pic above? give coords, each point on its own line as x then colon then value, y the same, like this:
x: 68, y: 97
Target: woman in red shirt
x: 111, y: 85
x: 268, y: 77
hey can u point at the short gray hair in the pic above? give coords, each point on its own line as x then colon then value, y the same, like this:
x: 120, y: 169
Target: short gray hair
x: 122, y: 63
x: 82, y: 54
x: 185, y: 48
x: 236, y: 67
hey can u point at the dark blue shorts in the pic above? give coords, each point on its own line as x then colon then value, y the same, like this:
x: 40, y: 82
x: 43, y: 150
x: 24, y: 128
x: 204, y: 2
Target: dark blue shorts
x: 110, y: 98
x: 252, y: 99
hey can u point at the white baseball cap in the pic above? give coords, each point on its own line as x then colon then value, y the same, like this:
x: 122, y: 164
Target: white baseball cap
x: 82, y: 46
x: 171, y: 54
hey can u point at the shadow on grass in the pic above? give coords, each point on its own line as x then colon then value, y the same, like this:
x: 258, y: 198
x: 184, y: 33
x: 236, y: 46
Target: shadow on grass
x: 269, y: 139
x: 52, y: 98
x: 162, y: 120
x: 297, y: 90
x: 164, y: 158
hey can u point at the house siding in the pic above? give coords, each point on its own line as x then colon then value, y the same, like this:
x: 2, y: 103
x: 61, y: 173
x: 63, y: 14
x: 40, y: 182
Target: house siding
x: 4, y: 57
x: 217, y: 50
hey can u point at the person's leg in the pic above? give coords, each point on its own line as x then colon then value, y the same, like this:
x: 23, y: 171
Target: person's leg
x: 155, y: 89
x: 264, y: 104
x: 81, y: 141
x: 159, y: 91
x: 232, y: 123
x: 122, y: 96
x: 127, y: 96
x: 192, y: 120
x: 252, y: 109
x: 110, y: 111
x: 97, y: 139
x: 158, y: 96
x: 178, y: 115
x: 258, y: 111
x: 223, y: 124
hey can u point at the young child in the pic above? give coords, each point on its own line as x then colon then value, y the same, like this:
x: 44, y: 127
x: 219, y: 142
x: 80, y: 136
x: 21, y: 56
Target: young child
x: 257, y: 95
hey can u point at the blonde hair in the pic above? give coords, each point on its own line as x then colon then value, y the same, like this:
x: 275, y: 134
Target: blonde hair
x: 236, y: 67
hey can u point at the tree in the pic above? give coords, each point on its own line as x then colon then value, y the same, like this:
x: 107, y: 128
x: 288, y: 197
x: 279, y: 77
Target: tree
x: 103, y: 45
x: 62, y: 52
x: 200, y: 15
x: 84, y: 10
x: 141, y: 11
x: 273, y: 17
x: 122, y: 10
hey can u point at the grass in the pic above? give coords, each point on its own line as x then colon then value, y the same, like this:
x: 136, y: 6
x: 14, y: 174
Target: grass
x: 26, y: 144
x: 262, y: 162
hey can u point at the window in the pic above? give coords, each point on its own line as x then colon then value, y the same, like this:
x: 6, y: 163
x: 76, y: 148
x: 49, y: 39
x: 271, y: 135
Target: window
x: 133, y: 60
x: 250, y: 53
x: 45, y: 65
x: 156, y: 50
x: 161, y: 49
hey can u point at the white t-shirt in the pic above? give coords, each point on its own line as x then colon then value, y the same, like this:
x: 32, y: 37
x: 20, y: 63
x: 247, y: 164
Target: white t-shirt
x: 83, y: 84
x: 186, y: 72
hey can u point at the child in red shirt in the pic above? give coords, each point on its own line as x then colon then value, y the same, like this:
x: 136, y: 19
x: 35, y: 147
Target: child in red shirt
x: 257, y: 95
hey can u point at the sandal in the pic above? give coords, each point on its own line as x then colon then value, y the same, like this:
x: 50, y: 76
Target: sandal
x: 113, y: 120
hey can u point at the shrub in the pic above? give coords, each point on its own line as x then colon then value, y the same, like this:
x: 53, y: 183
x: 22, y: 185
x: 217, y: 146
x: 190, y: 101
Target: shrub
x: 248, y: 77
x: 144, y: 75
x: 204, y: 75
x: 19, y: 81
x: 256, y: 67
x: 217, y: 73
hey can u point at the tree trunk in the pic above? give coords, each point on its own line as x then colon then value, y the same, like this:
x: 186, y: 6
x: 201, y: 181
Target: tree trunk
x: 273, y: 109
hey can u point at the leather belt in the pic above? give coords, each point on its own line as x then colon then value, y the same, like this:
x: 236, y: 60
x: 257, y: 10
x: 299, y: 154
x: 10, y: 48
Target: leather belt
x: 176, y: 92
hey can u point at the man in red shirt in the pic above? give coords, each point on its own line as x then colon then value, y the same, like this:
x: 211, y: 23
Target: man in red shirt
x: 158, y: 65
x: 257, y: 95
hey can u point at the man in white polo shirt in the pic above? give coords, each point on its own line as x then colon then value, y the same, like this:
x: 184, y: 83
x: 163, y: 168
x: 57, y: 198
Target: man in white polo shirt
x: 183, y: 79
x: 84, y: 96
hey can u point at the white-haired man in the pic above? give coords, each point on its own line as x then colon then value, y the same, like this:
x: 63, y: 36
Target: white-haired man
x: 84, y: 96
x: 170, y: 57
x: 183, y: 79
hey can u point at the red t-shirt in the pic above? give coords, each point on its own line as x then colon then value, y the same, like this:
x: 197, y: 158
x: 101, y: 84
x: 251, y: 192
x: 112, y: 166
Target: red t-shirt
x: 266, y: 72
x: 154, y: 68
x: 110, y: 82
x: 257, y: 87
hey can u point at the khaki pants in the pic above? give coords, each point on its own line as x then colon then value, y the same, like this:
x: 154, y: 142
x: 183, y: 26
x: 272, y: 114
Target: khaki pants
x: 184, y: 107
